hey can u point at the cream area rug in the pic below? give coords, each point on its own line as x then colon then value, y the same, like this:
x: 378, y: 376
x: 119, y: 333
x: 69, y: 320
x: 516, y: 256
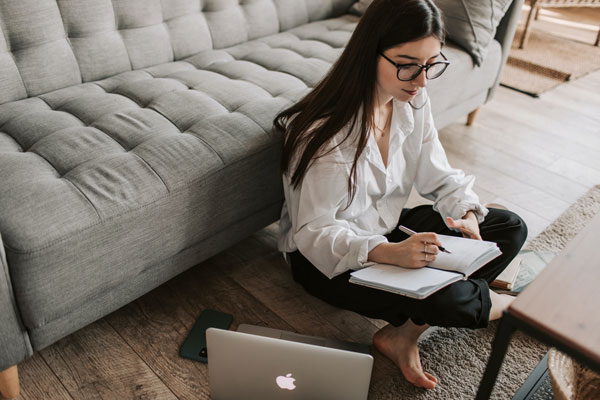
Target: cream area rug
x: 547, y: 61
x: 458, y: 357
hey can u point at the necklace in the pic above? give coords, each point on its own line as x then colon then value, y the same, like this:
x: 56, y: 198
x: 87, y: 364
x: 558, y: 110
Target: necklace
x: 387, y: 122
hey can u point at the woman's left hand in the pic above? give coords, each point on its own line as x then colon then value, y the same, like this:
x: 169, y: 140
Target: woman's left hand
x: 468, y: 225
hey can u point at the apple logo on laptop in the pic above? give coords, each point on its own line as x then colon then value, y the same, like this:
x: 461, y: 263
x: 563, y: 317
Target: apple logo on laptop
x: 286, y: 382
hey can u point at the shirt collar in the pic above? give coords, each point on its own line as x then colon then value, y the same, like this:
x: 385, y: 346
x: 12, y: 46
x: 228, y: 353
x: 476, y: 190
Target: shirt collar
x: 403, y: 121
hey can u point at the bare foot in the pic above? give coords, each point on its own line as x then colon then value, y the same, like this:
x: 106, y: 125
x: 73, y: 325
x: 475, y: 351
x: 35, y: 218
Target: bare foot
x: 500, y: 302
x: 399, y: 344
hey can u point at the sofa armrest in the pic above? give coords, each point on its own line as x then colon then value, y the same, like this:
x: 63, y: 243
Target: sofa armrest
x: 14, y: 340
x: 505, y: 32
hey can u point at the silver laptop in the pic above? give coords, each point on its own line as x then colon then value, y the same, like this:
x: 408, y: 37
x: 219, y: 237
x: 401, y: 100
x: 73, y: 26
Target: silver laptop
x: 262, y: 363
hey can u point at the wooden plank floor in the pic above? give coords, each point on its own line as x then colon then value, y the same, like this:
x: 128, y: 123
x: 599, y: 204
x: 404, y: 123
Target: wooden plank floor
x: 536, y: 156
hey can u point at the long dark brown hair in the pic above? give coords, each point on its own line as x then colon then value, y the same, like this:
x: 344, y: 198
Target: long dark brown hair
x: 350, y: 84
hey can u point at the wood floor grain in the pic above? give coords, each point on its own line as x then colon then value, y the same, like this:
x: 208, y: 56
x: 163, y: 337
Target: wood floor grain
x: 96, y: 363
x: 536, y: 156
x: 38, y: 381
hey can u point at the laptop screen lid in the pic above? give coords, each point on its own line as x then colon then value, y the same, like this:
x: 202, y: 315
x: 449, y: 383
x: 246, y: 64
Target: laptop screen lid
x: 247, y: 366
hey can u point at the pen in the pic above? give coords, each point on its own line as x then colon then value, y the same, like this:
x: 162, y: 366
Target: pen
x: 410, y: 232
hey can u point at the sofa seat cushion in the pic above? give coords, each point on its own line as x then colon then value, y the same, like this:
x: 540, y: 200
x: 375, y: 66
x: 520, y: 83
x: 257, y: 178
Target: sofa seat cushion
x: 102, y: 179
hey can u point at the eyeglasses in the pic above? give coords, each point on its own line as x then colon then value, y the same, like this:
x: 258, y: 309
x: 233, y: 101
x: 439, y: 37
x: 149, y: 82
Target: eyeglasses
x: 408, y: 72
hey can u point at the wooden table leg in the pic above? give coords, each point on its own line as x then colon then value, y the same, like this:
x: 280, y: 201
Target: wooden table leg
x: 499, y: 347
x: 9, y: 382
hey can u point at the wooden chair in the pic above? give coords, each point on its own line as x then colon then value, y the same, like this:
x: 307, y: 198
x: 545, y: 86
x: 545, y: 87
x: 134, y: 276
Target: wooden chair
x: 537, y: 4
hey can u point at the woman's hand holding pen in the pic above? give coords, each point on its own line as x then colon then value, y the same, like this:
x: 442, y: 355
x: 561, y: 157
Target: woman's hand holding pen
x: 468, y: 225
x: 418, y: 251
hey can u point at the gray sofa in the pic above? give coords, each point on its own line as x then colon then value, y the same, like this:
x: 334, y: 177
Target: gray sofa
x: 136, y: 140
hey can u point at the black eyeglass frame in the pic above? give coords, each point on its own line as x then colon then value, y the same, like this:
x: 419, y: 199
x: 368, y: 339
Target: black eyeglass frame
x: 422, y: 67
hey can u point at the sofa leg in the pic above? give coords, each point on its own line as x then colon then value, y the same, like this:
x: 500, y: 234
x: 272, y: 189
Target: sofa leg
x: 9, y: 382
x: 471, y: 116
x: 597, y: 38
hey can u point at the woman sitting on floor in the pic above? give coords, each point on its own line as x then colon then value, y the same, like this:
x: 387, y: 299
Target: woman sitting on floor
x: 353, y: 149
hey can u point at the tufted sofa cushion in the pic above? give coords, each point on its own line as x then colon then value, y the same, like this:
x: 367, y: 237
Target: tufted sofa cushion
x: 94, y: 166
x: 51, y: 44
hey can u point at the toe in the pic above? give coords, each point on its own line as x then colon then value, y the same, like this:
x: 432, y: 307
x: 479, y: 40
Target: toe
x: 427, y: 383
x: 421, y: 379
x: 430, y: 377
x: 424, y: 382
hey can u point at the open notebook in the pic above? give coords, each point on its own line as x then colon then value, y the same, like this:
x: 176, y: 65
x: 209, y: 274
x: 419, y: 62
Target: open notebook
x: 467, y: 256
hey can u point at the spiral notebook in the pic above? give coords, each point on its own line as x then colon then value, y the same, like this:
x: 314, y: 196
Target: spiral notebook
x: 468, y: 255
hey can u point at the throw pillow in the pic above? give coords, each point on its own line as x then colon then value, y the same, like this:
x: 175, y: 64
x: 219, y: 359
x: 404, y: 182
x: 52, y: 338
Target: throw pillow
x: 469, y: 23
x: 472, y: 23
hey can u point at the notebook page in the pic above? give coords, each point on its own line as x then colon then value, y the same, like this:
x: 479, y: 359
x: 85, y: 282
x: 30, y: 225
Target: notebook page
x: 409, y: 280
x: 465, y: 252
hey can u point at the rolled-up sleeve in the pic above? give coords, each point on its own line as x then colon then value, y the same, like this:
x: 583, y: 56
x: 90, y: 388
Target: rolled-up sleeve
x: 324, y: 238
x: 449, y: 188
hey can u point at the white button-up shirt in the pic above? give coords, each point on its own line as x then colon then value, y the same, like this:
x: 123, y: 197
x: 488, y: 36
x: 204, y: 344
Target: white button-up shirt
x: 336, y: 238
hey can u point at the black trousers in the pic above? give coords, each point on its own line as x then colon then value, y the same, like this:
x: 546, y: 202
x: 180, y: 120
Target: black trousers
x: 462, y: 304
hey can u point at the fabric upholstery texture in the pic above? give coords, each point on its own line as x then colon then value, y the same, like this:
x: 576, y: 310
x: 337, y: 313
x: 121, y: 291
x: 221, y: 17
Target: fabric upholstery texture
x: 51, y: 44
x: 445, y: 92
x: 150, y: 146
x: 472, y: 23
x: 14, y: 341
x: 154, y: 273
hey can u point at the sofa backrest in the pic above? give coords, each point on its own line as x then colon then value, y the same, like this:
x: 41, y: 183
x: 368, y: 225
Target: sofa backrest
x: 51, y: 44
